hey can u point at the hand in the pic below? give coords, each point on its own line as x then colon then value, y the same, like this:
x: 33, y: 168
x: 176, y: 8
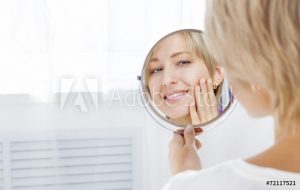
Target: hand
x: 183, y: 151
x: 205, y: 107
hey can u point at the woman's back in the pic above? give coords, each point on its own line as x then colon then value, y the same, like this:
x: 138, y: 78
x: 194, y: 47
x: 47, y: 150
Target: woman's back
x: 235, y: 175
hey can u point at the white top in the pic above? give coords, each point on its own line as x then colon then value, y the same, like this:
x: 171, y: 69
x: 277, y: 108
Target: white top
x: 235, y: 175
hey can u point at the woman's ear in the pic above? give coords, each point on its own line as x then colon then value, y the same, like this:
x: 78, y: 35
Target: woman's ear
x: 218, y: 76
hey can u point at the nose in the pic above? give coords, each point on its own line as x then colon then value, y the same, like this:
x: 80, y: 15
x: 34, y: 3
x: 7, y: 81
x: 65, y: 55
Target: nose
x: 169, y: 77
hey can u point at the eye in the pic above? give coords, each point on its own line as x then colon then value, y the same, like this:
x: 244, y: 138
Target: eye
x: 183, y: 62
x: 156, y: 70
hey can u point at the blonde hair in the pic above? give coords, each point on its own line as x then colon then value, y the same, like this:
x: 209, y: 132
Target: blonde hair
x: 195, y: 42
x: 258, y: 42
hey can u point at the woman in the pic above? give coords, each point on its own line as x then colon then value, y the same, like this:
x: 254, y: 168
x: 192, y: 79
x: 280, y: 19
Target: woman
x: 258, y: 42
x: 180, y: 69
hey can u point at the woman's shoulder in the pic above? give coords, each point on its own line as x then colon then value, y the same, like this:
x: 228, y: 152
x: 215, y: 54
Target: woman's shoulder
x: 216, y: 170
x: 232, y: 174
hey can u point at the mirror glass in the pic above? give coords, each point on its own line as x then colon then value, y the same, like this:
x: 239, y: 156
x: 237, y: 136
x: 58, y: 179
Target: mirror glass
x: 181, y: 84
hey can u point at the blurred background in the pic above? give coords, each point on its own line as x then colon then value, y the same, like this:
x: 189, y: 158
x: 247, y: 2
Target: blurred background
x: 70, y: 112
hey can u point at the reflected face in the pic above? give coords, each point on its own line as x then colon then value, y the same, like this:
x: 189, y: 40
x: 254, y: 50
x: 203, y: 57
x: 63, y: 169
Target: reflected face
x: 174, y: 70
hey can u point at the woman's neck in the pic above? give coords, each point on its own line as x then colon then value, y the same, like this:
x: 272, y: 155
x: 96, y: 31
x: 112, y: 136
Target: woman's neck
x: 287, y: 133
x: 284, y: 154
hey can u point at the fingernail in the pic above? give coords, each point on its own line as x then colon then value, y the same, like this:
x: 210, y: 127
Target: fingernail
x: 198, y: 130
x: 202, y: 81
x: 209, y: 81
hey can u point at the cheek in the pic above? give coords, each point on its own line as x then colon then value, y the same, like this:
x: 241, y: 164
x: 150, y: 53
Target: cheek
x: 256, y: 103
x: 253, y: 105
x: 235, y: 86
x: 154, y: 88
x: 246, y: 99
x: 192, y: 75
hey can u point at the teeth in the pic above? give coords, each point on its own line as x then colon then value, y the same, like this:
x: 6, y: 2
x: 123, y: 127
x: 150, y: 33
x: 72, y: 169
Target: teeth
x: 172, y: 96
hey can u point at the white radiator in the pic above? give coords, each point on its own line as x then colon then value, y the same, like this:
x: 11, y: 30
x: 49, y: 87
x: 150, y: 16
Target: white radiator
x: 95, y: 159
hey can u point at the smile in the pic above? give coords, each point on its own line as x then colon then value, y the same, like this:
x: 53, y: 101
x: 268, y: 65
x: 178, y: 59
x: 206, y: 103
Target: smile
x: 173, y: 96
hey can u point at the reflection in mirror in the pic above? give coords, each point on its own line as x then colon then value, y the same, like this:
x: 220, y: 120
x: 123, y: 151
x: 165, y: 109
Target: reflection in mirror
x: 181, y: 83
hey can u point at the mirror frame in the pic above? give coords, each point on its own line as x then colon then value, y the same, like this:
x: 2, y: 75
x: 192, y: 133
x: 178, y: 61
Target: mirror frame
x: 163, y: 121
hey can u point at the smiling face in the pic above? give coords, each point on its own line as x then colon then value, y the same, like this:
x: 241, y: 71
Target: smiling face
x: 173, y: 70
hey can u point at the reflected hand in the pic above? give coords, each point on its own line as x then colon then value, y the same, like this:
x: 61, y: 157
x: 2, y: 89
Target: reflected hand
x: 183, y: 151
x: 205, y: 107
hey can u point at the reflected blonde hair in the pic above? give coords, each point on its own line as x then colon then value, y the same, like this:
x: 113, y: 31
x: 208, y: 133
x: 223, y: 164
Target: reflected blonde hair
x: 258, y: 42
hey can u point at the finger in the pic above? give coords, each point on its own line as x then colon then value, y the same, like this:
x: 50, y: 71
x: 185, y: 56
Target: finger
x: 194, y: 115
x: 206, y: 106
x: 212, y: 99
x: 189, y: 135
x: 199, y: 103
x: 198, y: 144
x: 198, y: 131
x: 176, y: 141
x: 180, y: 131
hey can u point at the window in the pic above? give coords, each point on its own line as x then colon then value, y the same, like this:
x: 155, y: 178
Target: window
x: 46, y: 41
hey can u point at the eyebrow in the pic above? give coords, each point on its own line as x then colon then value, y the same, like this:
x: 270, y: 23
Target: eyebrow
x: 154, y: 59
x: 179, y: 53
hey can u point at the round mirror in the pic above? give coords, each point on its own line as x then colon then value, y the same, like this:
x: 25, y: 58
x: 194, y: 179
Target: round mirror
x: 181, y: 84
